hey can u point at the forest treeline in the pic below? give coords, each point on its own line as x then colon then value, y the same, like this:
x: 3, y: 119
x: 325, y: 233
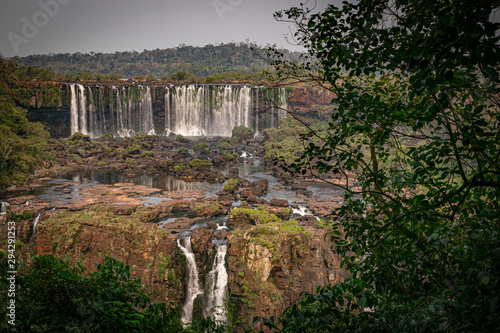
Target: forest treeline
x: 179, y: 62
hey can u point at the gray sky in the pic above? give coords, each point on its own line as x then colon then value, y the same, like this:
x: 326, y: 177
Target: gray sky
x: 60, y: 26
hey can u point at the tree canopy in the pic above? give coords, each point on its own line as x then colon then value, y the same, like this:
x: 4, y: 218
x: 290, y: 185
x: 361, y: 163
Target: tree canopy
x: 21, y: 142
x: 417, y: 124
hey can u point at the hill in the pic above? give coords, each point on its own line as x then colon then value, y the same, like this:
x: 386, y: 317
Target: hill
x: 200, y: 61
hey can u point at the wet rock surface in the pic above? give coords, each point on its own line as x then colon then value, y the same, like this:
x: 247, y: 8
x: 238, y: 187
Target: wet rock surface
x: 270, y: 259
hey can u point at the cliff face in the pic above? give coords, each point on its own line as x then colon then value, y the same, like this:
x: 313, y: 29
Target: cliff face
x: 311, y: 102
x: 50, y: 102
x: 268, y: 275
x: 268, y: 264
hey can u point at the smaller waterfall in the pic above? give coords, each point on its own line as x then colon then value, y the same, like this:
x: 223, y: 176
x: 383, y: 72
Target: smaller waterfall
x: 192, y: 284
x: 35, y: 223
x: 216, y: 287
x: 302, y: 210
x: 3, y: 207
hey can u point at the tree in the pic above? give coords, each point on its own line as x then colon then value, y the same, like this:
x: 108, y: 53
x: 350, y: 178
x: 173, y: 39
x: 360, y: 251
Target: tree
x: 53, y: 295
x: 21, y: 142
x: 417, y: 124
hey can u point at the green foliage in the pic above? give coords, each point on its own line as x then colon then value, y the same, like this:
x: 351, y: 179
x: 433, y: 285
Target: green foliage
x: 55, y: 296
x: 243, y: 133
x: 178, y: 167
x: 22, y: 143
x: 226, y: 61
x: 225, y: 145
x: 417, y: 125
x: 258, y: 216
x: 203, y: 146
x: 134, y: 149
x: 196, y: 162
x: 231, y: 184
x: 147, y: 154
x: 185, y: 77
x: 230, y: 156
x: 79, y: 138
x: 208, y: 209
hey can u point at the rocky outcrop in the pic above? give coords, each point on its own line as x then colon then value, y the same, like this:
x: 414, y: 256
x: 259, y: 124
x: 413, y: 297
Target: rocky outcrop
x: 269, y: 271
x: 311, y: 102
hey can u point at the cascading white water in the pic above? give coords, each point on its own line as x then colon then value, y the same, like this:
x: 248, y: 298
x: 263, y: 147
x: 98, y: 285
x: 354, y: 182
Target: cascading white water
x: 217, y: 288
x: 190, y: 110
x: 74, y: 110
x: 82, y: 109
x: 35, y: 223
x: 192, y: 284
x: 202, y: 110
x: 302, y: 210
x: 3, y: 207
x: 130, y: 113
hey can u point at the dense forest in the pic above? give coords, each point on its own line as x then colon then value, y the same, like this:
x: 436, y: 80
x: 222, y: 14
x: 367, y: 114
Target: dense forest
x: 198, y: 61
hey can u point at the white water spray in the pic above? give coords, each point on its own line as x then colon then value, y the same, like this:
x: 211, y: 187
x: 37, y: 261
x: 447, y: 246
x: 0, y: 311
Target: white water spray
x: 216, y: 287
x: 192, y: 284
x: 35, y: 223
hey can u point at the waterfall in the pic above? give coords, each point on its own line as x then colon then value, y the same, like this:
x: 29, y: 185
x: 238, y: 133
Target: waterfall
x: 190, y: 110
x: 35, y: 222
x: 302, y: 210
x: 207, y: 110
x: 128, y: 110
x: 3, y: 207
x: 216, y: 286
x: 192, y: 284
x: 82, y: 109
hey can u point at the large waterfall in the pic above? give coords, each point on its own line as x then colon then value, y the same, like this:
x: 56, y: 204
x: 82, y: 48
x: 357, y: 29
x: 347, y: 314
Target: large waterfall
x: 202, y: 110
x: 129, y: 110
x: 190, y: 110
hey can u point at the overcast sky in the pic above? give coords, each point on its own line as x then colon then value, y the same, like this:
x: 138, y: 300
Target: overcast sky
x: 60, y: 26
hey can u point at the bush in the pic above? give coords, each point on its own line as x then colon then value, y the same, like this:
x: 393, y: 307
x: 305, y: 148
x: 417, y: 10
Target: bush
x: 230, y: 156
x: 147, y: 154
x: 225, y: 145
x: 107, y: 136
x: 231, y: 184
x: 202, y: 147
x: 54, y: 295
x: 243, y: 133
x: 196, y: 163
x: 134, y: 149
x: 79, y: 138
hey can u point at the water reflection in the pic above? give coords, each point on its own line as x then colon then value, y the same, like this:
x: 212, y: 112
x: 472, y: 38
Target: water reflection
x: 163, y: 182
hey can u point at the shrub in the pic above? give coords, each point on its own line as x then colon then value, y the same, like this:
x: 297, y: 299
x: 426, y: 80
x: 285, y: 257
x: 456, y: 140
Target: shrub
x: 147, y: 154
x: 196, y: 162
x: 225, y: 145
x: 231, y: 184
x: 243, y: 133
x: 230, y: 156
x: 202, y: 147
x: 134, y: 149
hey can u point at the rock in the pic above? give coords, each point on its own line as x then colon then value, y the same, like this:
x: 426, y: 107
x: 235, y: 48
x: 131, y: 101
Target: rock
x: 233, y: 173
x: 124, y: 209
x: 259, y: 187
x: 221, y: 234
x: 20, y: 200
x: 307, y: 220
x: 279, y: 202
x: 299, y: 186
